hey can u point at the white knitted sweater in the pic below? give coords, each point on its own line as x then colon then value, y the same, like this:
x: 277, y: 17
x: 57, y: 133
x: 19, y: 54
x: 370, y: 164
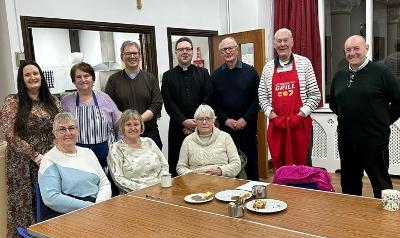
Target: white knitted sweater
x: 215, y: 150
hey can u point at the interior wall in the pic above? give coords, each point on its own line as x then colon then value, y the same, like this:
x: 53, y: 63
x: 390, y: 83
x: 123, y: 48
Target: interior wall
x: 205, y: 14
x: 7, y: 86
x: 258, y: 15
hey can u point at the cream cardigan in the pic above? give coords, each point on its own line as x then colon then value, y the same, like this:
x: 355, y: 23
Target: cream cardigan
x: 215, y: 150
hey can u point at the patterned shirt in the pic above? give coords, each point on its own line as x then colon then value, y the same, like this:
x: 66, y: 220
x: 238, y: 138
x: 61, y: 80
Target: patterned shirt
x: 136, y: 168
x: 309, y: 92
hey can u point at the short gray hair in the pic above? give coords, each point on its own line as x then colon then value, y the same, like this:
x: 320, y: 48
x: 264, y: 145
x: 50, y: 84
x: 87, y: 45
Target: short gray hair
x: 227, y: 38
x: 283, y: 30
x: 63, y: 117
x: 204, y: 108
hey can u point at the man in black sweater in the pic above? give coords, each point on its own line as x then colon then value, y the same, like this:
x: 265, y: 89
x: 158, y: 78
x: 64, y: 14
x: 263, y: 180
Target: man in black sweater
x: 366, y: 97
x: 235, y: 101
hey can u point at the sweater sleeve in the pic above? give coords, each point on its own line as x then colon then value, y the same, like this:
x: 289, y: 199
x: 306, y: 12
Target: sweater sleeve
x: 156, y: 99
x: 161, y: 158
x: 171, y: 107
x: 233, y: 167
x: 183, y: 163
x: 264, y: 92
x: 392, y: 90
x: 104, y: 192
x: 115, y: 164
x: 50, y: 189
x: 313, y: 94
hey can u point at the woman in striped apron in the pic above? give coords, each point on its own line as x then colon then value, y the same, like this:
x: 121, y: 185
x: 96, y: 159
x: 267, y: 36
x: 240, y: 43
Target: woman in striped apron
x: 96, y: 113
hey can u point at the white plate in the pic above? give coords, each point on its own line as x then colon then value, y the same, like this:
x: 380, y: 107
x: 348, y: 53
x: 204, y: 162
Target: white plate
x: 227, y: 195
x: 272, y: 206
x: 189, y: 198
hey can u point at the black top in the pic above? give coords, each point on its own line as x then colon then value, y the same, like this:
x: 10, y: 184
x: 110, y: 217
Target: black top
x: 235, y: 94
x: 366, y: 103
x: 184, y: 91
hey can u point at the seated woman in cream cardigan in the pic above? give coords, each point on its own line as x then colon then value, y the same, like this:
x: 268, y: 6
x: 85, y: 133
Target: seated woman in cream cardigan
x: 135, y: 162
x: 208, y: 150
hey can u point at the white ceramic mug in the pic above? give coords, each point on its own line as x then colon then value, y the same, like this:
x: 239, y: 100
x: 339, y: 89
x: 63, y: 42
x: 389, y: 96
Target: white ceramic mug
x: 166, y: 180
x: 391, y: 199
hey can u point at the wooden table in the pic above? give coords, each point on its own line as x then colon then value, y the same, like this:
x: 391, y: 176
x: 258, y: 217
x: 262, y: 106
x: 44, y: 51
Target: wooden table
x: 309, y: 211
x: 131, y: 216
x: 164, y: 213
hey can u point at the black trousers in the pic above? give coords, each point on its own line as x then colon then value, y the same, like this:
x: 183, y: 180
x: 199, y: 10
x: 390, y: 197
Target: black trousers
x: 175, y: 140
x: 355, y: 158
x: 246, y: 141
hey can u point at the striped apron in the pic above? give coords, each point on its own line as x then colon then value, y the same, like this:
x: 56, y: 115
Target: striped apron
x: 94, y: 129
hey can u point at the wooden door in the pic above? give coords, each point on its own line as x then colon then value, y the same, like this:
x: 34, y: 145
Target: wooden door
x: 253, y: 45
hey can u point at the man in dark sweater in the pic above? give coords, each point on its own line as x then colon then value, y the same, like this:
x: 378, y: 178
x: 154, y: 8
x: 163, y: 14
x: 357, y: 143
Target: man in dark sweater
x: 235, y: 100
x: 366, y: 97
x: 133, y: 88
x: 183, y: 89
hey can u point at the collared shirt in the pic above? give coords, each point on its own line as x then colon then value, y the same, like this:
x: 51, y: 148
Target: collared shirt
x: 278, y: 62
x: 359, y: 67
x: 132, y: 75
x: 238, y: 64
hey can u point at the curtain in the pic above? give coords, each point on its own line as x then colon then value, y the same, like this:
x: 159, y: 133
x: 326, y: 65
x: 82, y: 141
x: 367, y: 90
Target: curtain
x: 301, y: 17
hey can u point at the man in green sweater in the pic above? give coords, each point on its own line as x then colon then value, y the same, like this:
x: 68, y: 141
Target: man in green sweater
x: 366, y: 97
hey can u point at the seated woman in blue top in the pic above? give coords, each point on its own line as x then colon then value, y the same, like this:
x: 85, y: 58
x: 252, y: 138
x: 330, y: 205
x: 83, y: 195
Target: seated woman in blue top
x: 70, y: 177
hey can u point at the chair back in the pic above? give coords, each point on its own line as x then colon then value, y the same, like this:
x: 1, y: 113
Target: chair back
x: 39, y: 203
x: 304, y: 176
x: 243, y: 160
x: 22, y: 232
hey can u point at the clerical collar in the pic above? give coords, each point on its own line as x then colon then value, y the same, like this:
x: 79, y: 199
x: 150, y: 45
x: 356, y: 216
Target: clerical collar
x: 239, y: 64
x: 184, y: 69
x: 359, y: 67
x: 278, y: 64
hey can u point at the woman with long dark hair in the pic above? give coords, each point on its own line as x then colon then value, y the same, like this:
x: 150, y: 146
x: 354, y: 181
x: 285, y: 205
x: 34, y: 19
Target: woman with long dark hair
x: 26, y: 120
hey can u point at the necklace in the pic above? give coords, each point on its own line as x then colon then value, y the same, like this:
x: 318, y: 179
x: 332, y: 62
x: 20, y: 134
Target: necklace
x: 133, y: 145
x: 66, y: 153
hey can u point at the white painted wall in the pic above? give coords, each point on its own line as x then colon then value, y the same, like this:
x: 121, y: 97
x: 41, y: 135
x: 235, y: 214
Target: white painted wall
x: 161, y: 14
x: 251, y: 15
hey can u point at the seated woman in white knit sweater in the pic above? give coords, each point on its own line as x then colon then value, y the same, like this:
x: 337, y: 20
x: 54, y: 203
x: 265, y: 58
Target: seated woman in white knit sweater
x: 135, y: 162
x: 208, y: 150
x: 70, y: 177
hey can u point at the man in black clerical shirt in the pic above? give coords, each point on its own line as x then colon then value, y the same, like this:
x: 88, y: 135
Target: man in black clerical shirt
x: 183, y: 89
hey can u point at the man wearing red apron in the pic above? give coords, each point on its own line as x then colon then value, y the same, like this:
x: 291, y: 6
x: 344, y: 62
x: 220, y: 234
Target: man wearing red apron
x: 288, y: 94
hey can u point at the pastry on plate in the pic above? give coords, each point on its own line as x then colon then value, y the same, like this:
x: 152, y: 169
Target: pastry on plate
x: 259, y: 204
x: 207, y: 195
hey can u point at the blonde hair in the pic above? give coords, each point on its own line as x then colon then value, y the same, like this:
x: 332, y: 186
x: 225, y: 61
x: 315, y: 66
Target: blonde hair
x: 130, y: 115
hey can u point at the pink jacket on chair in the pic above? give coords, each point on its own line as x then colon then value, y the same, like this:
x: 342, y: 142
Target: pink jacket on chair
x: 301, y: 174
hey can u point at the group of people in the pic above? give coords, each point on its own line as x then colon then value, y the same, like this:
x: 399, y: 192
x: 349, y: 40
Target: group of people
x: 70, y: 147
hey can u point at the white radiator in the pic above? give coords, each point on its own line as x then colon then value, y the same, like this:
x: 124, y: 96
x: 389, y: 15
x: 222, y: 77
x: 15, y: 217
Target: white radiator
x: 325, y: 153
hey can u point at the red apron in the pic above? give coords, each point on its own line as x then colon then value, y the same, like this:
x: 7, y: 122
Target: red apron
x: 288, y: 134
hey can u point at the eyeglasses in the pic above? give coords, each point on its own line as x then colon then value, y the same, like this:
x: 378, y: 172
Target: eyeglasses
x: 201, y: 119
x: 351, y: 80
x: 229, y: 48
x: 63, y: 130
x: 181, y: 50
x: 130, y: 54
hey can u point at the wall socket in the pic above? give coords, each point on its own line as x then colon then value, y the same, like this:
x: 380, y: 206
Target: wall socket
x: 19, y: 56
